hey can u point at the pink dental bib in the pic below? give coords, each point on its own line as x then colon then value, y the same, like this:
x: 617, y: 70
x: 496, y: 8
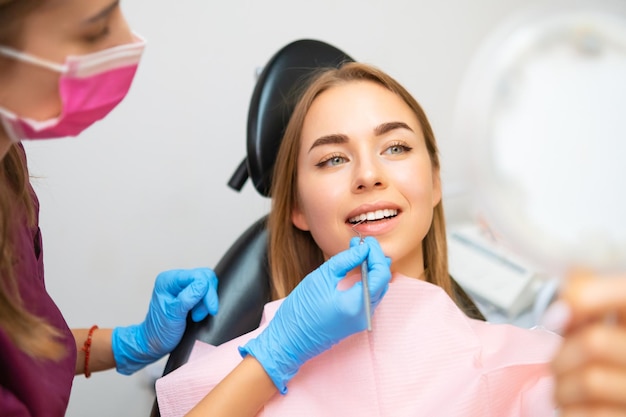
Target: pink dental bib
x: 424, y: 357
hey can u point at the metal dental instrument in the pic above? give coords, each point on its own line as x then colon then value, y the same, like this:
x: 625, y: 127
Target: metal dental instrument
x: 365, y: 282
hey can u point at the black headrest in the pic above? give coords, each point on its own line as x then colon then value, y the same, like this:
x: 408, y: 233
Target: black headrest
x: 272, y: 103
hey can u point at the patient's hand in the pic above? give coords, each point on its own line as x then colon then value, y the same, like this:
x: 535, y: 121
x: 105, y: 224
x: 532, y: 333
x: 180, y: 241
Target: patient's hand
x: 590, y: 367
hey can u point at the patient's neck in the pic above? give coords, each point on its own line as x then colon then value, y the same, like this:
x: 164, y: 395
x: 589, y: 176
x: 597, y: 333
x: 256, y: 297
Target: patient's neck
x: 409, y: 266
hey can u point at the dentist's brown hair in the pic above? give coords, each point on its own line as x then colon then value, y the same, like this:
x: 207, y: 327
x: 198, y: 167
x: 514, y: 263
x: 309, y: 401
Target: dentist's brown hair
x: 30, y: 333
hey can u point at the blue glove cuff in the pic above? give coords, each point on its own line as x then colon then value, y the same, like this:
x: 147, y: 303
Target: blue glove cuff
x: 126, y: 351
x: 269, y: 361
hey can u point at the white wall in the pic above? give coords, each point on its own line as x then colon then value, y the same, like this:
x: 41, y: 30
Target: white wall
x: 146, y: 191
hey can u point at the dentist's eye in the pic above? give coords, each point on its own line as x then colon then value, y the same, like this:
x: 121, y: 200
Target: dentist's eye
x: 98, y: 35
x: 332, y: 160
x: 397, y: 149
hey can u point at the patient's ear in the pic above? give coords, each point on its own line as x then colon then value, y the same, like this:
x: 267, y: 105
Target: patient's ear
x: 299, y: 219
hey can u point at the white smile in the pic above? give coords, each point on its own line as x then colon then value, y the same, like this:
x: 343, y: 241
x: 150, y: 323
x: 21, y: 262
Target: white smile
x: 374, y: 215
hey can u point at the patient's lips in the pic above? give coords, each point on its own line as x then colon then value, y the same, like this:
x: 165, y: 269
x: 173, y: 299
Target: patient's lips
x: 373, y: 219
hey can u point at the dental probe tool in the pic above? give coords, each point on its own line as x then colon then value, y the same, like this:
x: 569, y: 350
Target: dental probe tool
x: 365, y: 282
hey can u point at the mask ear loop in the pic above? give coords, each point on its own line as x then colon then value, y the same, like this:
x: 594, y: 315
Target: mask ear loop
x: 30, y: 59
x: 364, y: 281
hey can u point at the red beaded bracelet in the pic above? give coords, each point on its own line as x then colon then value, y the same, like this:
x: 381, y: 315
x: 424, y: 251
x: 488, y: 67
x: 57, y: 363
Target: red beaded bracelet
x: 87, y: 349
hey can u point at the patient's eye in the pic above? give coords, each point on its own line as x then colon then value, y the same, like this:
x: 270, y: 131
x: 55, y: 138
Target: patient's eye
x: 397, y: 149
x: 332, y: 160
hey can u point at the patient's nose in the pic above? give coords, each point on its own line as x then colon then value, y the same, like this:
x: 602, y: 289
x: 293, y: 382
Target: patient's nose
x: 368, y: 175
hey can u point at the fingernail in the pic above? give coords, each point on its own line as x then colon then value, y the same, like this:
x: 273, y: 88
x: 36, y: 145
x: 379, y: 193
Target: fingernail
x: 556, y: 317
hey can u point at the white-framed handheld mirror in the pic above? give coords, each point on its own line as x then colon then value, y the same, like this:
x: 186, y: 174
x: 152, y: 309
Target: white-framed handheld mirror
x: 542, y: 112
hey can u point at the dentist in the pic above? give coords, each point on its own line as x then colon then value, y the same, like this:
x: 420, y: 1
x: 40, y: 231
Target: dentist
x: 65, y: 64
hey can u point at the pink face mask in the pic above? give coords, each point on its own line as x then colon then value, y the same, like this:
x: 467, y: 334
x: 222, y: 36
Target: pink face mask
x: 90, y: 87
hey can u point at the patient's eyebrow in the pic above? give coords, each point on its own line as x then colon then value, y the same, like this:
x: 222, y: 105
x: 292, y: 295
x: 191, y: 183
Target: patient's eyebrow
x: 329, y: 140
x: 338, y: 139
x: 388, y: 127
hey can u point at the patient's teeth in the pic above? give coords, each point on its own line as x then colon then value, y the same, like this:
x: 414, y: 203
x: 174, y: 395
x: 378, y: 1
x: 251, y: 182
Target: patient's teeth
x: 374, y: 215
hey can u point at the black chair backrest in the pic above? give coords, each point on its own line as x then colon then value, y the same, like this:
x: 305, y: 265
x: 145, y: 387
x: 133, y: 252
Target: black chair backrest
x: 273, y: 101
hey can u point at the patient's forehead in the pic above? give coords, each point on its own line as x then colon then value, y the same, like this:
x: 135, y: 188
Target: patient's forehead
x: 355, y: 108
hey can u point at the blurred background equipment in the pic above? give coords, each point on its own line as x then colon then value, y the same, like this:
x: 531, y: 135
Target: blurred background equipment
x: 541, y: 112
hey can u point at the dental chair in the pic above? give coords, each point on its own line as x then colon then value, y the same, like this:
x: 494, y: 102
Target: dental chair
x: 243, y: 270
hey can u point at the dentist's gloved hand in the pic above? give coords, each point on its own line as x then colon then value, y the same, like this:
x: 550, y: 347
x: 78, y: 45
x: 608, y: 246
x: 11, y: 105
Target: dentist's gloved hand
x: 175, y: 293
x: 317, y: 315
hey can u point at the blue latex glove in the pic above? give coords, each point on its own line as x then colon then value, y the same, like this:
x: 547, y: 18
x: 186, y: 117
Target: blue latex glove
x: 316, y: 315
x: 175, y: 293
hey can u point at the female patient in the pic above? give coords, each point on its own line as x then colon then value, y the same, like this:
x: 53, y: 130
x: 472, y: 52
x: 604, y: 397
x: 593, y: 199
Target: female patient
x: 359, y: 154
